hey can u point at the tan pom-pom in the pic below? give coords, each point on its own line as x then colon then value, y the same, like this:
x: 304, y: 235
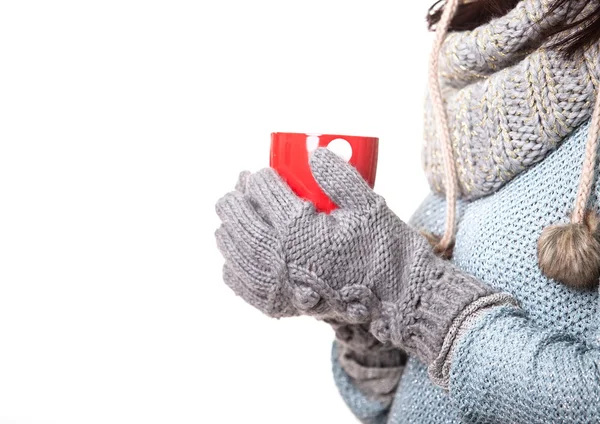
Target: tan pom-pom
x: 570, y: 253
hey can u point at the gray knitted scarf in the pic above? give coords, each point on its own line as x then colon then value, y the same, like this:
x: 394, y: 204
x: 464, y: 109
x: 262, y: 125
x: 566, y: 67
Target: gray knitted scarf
x: 510, y: 100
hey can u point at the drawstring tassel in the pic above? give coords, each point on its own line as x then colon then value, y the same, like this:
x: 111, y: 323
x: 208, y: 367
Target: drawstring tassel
x: 570, y: 253
x: 567, y: 253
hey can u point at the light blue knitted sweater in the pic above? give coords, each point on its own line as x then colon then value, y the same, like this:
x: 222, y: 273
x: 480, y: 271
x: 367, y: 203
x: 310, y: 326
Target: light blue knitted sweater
x: 540, y: 364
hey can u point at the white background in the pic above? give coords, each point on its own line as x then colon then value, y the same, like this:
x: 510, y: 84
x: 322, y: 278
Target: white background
x: 121, y: 124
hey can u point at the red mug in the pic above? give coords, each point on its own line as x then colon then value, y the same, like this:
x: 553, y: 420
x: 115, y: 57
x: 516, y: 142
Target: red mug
x: 290, y: 153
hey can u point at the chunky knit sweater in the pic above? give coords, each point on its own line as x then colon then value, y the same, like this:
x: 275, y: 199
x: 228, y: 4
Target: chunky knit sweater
x: 536, y: 364
x: 519, y: 116
x: 488, y: 337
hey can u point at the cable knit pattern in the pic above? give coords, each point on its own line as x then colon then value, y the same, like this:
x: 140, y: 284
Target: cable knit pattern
x: 359, y: 264
x: 508, y: 107
x: 535, y: 366
x: 439, y: 370
x: 472, y: 55
x: 439, y: 292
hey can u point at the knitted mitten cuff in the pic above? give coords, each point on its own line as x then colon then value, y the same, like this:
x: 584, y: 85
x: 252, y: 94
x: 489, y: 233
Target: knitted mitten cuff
x: 437, y: 292
x: 375, y: 368
x: 439, y: 370
x: 364, y: 348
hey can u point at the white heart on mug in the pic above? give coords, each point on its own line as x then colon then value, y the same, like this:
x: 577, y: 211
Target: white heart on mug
x: 341, y: 147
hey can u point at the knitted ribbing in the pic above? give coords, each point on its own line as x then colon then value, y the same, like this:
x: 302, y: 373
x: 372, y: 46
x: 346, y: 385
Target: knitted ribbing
x: 414, y: 322
x: 469, y: 56
x: 509, y: 100
x: 359, y: 264
x: 375, y: 368
x: 497, y: 243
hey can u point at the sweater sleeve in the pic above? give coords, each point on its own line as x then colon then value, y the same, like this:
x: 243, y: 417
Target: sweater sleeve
x: 506, y: 369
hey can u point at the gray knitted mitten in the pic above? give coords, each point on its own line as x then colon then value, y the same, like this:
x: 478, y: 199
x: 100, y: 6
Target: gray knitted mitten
x: 359, y: 264
x: 375, y: 367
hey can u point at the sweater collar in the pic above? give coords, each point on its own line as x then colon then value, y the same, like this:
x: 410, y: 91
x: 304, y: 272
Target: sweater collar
x: 510, y: 101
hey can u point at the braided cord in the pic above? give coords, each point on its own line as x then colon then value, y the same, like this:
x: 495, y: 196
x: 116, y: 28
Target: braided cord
x: 589, y: 165
x: 443, y: 129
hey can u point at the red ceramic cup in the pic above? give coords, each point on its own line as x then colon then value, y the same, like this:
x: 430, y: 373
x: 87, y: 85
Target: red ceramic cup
x: 290, y: 153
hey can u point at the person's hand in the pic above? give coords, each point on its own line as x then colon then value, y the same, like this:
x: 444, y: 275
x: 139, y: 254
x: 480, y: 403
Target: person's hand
x: 359, y: 264
x: 286, y: 259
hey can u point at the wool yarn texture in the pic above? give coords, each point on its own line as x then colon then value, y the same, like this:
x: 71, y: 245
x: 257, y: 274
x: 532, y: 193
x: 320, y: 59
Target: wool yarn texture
x: 532, y: 364
x: 359, y: 264
x: 485, y: 337
x: 510, y: 100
